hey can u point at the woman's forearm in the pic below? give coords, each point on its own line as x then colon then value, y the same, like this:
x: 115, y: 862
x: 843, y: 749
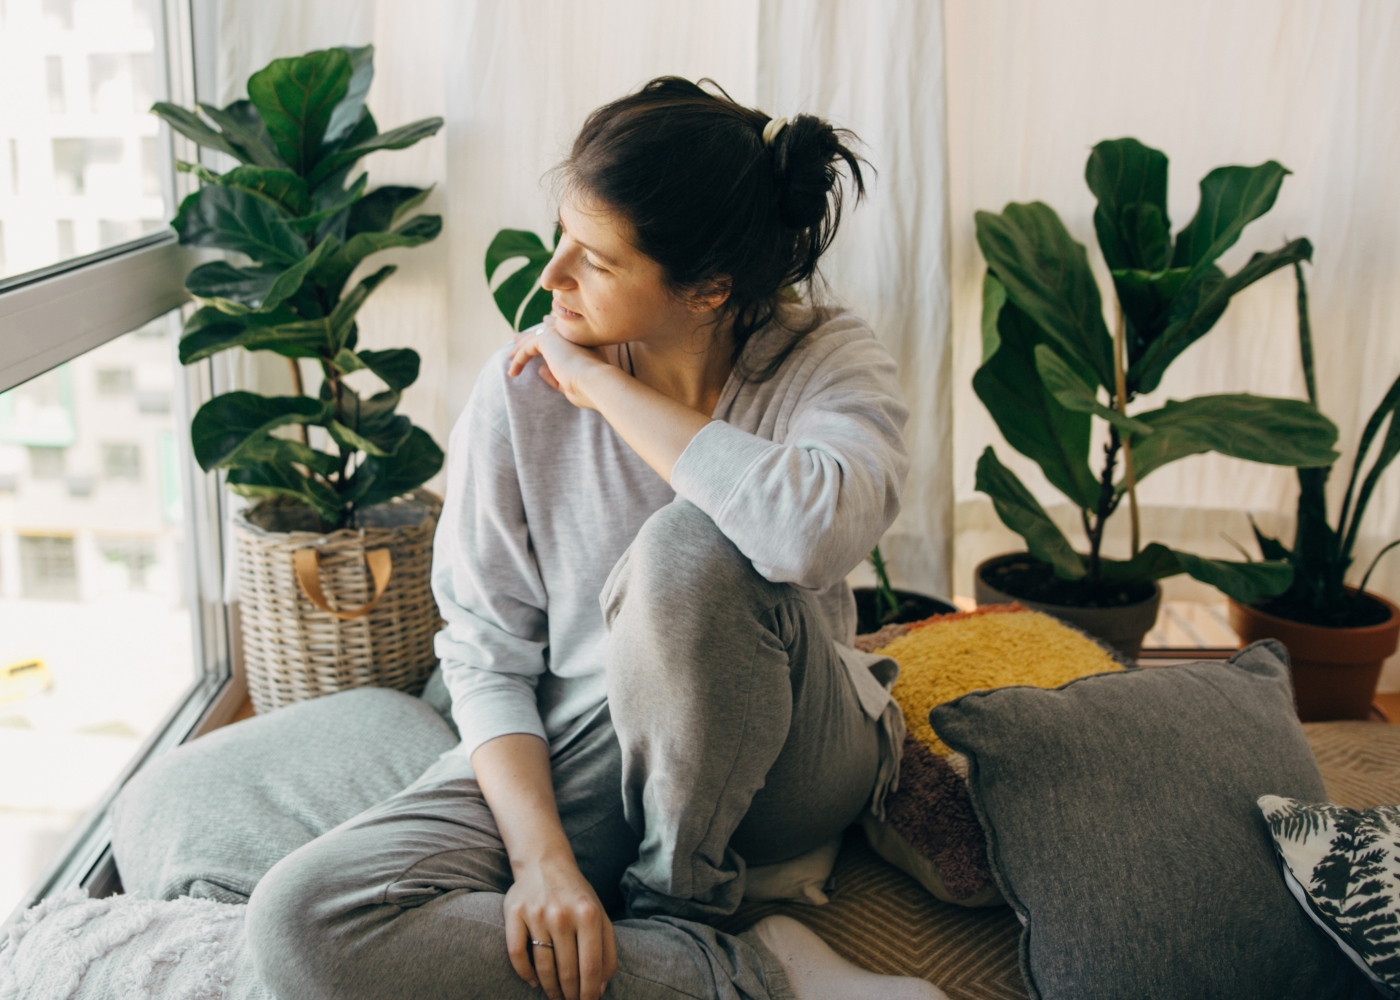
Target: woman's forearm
x: 655, y: 426
x: 513, y: 772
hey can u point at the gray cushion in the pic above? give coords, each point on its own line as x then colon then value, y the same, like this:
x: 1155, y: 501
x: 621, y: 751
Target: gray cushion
x: 1122, y: 828
x: 208, y: 819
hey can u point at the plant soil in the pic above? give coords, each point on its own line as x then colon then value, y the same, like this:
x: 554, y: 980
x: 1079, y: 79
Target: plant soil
x: 1353, y: 611
x: 1033, y: 580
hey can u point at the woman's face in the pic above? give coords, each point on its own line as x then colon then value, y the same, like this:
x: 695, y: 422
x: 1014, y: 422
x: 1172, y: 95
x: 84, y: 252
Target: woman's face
x: 606, y: 291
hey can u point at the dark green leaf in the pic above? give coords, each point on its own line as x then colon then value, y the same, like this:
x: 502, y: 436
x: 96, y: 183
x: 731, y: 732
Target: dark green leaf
x: 416, y: 461
x: 280, y: 186
x: 398, y: 138
x: 1030, y: 419
x: 295, y: 98
x: 344, y: 314
x: 343, y: 200
x: 1246, y: 582
x: 271, y: 479
x: 191, y: 126
x: 266, y: 448
x: 233, y: 219
x: 204, y: 174
x: 223, y: 427
x: 220, y: 279
x: 1074, y: 394
x: 1194, y: 311
x: 1390, y: 447
x: 993, y: 299
x: 211, y: 330
x: 1130, y: 182
x: 245, y: 129
x: 382, y: 207
x: 398, y: 366
x: 373, y: 419
x: 1255, y: 428
x: 333, y: 272
x: 395, y: 431
x: 1231, y: 198
x: 347, y: 361
x: 1146, y: 298
x: 347, y: 113
x: 289, y: 282
x: 1046, y: 274
x: 1022, y: 513
x: 1269, y: 548
x: 516, y: 294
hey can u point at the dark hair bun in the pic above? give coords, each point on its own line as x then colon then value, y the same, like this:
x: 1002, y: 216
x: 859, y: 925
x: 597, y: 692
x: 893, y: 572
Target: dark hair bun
x: 711, y: 201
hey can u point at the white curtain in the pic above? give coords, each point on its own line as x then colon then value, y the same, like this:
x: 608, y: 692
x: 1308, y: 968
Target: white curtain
x: 1310, y: 83
x: 514, y: 81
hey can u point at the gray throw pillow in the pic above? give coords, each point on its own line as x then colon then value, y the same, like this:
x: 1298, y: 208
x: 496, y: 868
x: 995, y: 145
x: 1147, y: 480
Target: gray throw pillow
x: 209, y: 818
x: 1122, y: 828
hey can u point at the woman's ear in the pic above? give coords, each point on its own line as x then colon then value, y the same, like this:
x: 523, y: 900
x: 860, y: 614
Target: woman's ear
x: 710, y: 296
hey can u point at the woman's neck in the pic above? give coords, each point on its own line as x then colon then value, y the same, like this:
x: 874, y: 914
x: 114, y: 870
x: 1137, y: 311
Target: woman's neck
x: 691, y: 369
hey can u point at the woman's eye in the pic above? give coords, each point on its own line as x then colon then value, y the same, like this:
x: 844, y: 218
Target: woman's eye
x: 589, y: 263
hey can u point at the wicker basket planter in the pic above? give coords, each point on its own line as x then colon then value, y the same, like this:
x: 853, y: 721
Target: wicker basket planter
x: 323, y: 613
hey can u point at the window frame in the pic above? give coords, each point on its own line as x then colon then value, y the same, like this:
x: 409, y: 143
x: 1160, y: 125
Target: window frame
x: 90, y: 301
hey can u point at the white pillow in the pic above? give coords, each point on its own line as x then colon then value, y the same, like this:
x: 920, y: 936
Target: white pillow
x: 804, y: 879
x: 72, y: 947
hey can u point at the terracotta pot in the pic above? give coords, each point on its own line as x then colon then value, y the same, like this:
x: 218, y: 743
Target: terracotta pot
x: 1122, y: 627
x: 1335, y: 670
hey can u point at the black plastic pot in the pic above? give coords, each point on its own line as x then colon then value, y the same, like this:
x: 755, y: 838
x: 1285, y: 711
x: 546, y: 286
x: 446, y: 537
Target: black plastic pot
x: 913, y: 607
x: 1123, y: 627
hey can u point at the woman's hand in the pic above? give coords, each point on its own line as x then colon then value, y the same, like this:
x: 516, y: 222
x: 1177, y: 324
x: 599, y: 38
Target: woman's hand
x: 551, y: 901
x: 567, y: 366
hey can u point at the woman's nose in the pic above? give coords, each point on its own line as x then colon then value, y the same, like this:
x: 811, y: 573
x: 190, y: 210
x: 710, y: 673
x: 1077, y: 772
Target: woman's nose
x: 555, y: 276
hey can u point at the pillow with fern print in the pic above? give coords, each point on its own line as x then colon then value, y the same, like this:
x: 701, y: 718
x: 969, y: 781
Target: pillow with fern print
x: 1343, y: 866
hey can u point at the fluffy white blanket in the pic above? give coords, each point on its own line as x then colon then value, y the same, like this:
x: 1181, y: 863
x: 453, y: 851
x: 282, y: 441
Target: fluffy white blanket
x: 71, y: 947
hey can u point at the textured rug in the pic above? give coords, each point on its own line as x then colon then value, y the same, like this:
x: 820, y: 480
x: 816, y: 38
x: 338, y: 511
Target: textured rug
x: 883, y: 920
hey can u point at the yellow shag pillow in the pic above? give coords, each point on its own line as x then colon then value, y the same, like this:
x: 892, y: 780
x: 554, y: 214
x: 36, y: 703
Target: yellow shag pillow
x: 930, y: 829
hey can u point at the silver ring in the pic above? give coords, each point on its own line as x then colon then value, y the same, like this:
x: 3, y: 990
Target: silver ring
x: 542, y: 944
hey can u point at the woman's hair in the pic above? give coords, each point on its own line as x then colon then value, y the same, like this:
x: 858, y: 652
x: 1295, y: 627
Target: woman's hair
x: 715, y: 205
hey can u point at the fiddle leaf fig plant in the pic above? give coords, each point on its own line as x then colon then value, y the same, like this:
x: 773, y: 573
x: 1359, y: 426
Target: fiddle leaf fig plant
x: 296, y: 232
x: 1321, y: 554
x: 1051, y: 367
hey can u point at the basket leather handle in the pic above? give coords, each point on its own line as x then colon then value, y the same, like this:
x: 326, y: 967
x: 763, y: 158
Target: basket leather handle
x: 307, y: 564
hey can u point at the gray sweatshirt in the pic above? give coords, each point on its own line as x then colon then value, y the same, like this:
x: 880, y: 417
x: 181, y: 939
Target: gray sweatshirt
x: 803, y: 472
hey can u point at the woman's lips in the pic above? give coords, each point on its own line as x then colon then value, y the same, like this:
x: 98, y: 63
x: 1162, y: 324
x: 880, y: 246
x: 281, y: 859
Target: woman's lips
x: 564, y: 312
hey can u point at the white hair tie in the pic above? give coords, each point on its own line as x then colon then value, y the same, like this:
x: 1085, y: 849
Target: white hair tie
x: 771, y: 130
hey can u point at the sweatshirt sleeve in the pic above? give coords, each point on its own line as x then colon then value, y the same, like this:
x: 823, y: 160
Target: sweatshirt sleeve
x: 807, y: 508
x: 486, y: 581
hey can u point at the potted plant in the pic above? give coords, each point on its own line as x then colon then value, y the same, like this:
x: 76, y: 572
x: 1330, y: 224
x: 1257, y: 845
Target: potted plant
x: 334, y: 556
x: 521, y: 300
x: 1338, y: 636
x: 1047, y: 354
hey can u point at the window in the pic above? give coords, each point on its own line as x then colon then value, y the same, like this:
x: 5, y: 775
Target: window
x: 110, y: 538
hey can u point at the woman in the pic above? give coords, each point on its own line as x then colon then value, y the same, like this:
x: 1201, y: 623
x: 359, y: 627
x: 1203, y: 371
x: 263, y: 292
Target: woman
x: 653, y: 500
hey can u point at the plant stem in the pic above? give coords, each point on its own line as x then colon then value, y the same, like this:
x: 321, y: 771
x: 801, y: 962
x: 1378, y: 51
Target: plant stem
x: 1305, y: 344
x: 1105, y: 505
x: 299, y: 388
x: 1120, y: 400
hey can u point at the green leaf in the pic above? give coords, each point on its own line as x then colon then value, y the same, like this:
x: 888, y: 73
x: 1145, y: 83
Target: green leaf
x: 397, y: 367
x: 334, y: 271
x: 372, y: 420
x: 1130, y: 182
x: 1073, y: 393
x: 1047, y: 276
x: 1146, y: 298
x: 354, y: 441
x: 1246, y: 582
x: 223, y: 427
x: 344, y: 313
x: 398, y: 138
x: 266, y: 448
x: 415, y: 461
x: 382, y: 207
x: 191, y: 126
x: 233, y: 219
x: 346, y: 114
x: 290, y: 280
x: 1389, y: 408
x: 1197, y: 307
x: 211, y: 330
x: 334, y: 206
x: 1263, y: 429
x: 1231, y: 198
x: 205, y: 175
x: 1022, y: 513
x: 1030, y: 419
x: 220, y: 279
x: 296, y: 98
x: 516, y: 295
x: 993, y: 299
x: 1270, y: 548
x: 271, y: 479
x: 245, y: 129
x: 347, y: 361
x: 280, y: 186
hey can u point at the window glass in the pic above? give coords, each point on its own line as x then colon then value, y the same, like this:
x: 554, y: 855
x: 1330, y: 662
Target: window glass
x: 96, y: 643
x: 81, y: 157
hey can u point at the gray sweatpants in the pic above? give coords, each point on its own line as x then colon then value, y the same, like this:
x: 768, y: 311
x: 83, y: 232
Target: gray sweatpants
x: 732, y: 735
